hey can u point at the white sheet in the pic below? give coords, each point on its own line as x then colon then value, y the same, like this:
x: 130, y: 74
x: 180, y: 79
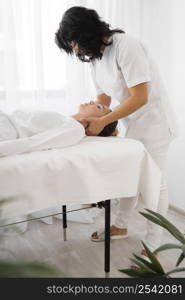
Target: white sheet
x: 7, y: 130
x: 40, y: 130
x: 94, y: 170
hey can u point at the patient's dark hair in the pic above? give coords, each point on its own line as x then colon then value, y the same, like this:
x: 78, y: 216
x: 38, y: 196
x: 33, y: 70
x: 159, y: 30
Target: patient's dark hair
x: 85, y: 27
x: 108, y: 129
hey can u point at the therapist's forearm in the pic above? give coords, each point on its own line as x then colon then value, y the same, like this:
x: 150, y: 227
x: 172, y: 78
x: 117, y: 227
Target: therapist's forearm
x: 129, y: 106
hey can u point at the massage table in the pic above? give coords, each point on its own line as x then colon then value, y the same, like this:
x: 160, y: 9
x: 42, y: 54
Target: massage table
x: 92, y: 172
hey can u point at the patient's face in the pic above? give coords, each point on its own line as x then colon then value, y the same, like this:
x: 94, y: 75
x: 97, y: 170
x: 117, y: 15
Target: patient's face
x: 93, y: 110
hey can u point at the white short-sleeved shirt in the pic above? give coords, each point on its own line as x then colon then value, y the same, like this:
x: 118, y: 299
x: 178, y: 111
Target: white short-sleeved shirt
x: 124, y: 64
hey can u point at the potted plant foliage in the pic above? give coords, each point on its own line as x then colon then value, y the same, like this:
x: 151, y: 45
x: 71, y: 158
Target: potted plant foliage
x: 151, y: 267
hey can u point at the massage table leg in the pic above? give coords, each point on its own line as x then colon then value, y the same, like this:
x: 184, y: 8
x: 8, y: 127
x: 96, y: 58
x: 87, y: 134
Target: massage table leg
x: 107, y: 238
x: 107, y: 205
x: 64, y: 217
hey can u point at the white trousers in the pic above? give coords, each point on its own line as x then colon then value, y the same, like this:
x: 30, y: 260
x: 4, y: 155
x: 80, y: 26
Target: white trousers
x: 157, y: 143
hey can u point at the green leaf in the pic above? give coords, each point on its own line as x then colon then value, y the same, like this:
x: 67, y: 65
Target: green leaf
x: 139, y: 273
x: 180, y: 259
x: 155, y: 262
x: 169, y: 226
x: 183, y: 249
x: 167, y: 247
x: 175, y: 271
x: 142, y: 266
x: 152, y: 219
x: 21, y: 270
x: 147, y: 263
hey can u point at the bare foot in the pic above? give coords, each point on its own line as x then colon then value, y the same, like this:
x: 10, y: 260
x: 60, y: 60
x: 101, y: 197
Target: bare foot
x: 113, y: 231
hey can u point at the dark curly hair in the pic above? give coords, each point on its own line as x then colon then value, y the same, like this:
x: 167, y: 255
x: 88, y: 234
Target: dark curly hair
x: 85, y: 27
x: 108, y: 129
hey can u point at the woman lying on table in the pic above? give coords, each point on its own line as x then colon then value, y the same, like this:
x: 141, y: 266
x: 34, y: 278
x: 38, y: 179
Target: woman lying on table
x: 23, y: 132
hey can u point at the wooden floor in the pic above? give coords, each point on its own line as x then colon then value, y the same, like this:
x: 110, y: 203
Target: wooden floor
x: 79, y: 257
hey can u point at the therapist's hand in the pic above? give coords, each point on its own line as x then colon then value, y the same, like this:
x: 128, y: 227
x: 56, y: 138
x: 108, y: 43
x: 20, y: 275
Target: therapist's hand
x: 95, y: 126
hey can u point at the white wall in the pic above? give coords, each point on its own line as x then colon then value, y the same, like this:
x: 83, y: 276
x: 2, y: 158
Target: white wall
x: 176, y: 174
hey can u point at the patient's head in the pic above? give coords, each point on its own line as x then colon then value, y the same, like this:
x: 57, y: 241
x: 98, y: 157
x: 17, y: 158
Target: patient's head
x: 93, y: 110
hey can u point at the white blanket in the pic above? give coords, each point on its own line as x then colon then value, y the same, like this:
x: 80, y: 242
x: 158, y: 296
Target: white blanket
x: 94, y: 170
x: 39, y: 130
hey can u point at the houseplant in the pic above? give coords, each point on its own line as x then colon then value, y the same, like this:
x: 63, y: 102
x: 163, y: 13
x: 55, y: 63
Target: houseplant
x: 151, y: 267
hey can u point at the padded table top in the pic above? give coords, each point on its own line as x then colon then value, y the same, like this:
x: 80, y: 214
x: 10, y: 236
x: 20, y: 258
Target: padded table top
x: 94, y: 170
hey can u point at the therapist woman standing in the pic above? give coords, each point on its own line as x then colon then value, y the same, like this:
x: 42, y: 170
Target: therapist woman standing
x: 122, y: 69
